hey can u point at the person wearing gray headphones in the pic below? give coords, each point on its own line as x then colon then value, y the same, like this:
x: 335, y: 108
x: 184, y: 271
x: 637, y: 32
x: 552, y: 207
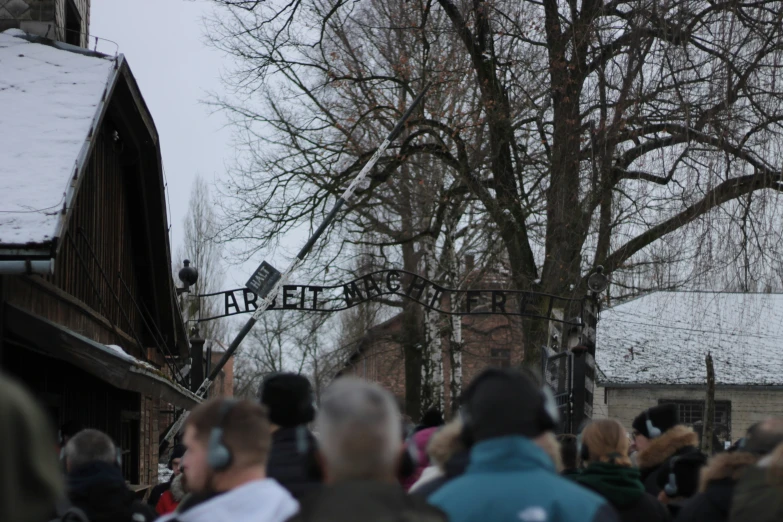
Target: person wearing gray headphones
x: 95, y: 484
x: 228, y: 445
x: 658, y: 438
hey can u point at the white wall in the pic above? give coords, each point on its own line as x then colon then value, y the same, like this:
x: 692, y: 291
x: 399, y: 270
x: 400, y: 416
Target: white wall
x: 747, y: 407
x: 600, y: 407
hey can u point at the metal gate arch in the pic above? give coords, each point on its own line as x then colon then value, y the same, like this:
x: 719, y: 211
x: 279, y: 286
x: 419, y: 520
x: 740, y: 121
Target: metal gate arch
x: 571, y: 374
x: 557, y: 371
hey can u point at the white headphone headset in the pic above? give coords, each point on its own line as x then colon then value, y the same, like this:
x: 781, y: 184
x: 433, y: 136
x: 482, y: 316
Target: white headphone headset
x: 652, y: 431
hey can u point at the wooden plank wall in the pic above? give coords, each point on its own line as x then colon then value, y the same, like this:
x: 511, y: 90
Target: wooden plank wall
x: 102, y: 212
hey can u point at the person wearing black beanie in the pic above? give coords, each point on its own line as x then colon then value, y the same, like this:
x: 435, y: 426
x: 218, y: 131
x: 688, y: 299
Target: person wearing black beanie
x: 723, y: 480
x: 678, y: 480
x: 177, y: 452
x: 659, y: 437
x: 510, y: 477
x: 289, y: 399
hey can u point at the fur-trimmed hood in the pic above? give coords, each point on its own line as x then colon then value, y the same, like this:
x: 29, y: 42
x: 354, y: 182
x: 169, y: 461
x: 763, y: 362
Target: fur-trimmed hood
x: 667, y: 445
x: 445, y: 443
x: 177, y: 490
x: 725, y: 466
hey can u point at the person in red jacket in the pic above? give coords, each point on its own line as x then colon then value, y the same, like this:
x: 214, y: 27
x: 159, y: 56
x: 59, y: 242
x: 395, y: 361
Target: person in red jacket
x: 171, y: 498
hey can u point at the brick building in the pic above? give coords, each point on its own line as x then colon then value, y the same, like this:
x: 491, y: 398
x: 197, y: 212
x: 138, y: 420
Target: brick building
x: 487, y: 340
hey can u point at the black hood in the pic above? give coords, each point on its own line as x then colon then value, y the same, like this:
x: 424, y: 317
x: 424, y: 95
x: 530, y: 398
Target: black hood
x: 719, y: 493
x: 99, y: 490
x: 457, y: 464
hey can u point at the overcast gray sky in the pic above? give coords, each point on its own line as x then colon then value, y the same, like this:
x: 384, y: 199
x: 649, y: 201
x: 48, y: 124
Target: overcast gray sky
x: 163, y: 41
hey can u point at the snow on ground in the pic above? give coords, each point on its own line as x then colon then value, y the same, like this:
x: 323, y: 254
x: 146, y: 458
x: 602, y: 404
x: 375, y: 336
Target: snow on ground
x: 164, y: 473
x: 49, y: 98
x: 663, y: 338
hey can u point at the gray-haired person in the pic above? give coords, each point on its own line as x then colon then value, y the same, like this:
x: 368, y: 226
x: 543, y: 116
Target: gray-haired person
x: 359, y: 451
x: 94, y: 481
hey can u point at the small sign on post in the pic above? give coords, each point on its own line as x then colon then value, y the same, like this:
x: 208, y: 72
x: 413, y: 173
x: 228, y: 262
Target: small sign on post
x: 263, y: 279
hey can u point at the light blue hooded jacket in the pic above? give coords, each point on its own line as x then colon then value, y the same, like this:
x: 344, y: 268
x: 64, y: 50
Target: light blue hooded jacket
x: 512, y: 479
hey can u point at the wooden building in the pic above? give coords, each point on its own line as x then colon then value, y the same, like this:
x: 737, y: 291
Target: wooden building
x: 89, y: 318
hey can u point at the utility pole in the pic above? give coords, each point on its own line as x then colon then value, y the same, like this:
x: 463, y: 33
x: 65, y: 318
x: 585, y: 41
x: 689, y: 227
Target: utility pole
x: 709, y: 409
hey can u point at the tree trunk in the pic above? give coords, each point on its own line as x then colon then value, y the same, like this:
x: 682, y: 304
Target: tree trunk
x: 412, y: 352
x: 455, y: 361
x: 432, y: 357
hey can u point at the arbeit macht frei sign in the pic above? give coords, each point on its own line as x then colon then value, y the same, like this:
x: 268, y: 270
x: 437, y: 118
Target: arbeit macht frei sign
x: 312, y: 298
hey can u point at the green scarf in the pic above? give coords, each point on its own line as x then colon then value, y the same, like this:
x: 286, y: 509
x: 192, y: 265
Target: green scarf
x: 620, y: 485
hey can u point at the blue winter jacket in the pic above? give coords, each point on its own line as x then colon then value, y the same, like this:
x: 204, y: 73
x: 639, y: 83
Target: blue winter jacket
x: 512, y: 479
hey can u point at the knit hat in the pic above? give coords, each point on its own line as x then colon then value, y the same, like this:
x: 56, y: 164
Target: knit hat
x: 503, y: 402
x: 176, y: 453
x: 661, y: 419
x: 289, y: 398
x: 432, y: 418
x: 679, y: 475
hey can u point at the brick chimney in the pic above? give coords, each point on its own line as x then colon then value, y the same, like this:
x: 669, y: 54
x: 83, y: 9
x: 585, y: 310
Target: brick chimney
x: 64, y: 20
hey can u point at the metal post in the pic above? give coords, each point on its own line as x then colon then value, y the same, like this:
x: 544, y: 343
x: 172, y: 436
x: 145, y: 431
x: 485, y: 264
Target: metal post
x: 584, y: 365
x: 196, y: 362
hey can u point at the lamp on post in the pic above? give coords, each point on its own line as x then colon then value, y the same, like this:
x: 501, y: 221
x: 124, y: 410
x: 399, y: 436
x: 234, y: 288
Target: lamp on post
x: 188, y: 275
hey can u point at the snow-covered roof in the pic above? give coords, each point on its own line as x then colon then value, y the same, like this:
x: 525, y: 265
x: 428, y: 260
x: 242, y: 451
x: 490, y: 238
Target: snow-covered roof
x: 49, y: 99
x: 663, y: 338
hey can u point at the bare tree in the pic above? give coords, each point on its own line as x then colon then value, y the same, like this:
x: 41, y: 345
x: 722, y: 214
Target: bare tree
x: 588, y: 133
x: 297, y: 343
x: 202, y: 248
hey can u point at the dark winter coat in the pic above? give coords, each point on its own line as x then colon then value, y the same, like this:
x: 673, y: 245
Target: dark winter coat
x: 716, y: 490
x: 292, y: 462
x: 99, y: 490
x: 158, y: 491
x: 170, y: 499
x: 677, y: 441
x: 363, y: 501
x: 454, y: 467
x: 623, y: 488
x: 756, y: 497
x: 511, y: 478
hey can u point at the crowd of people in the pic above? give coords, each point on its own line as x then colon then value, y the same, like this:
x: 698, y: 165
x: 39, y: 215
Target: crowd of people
x: 497, y: 460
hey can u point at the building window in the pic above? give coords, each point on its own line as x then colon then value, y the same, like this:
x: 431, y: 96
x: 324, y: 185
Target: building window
x: 501, y: 358
x: 691, y: 414
x: 73, y: 24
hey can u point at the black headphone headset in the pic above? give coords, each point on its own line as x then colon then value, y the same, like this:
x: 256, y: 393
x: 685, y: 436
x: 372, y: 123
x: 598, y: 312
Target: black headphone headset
x: 584, y: 451
x: 218, y: 454
x: 548, y: 414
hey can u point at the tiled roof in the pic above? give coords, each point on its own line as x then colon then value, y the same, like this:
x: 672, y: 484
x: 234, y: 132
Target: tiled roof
x: 663, y: 338
x: 50, y: 98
